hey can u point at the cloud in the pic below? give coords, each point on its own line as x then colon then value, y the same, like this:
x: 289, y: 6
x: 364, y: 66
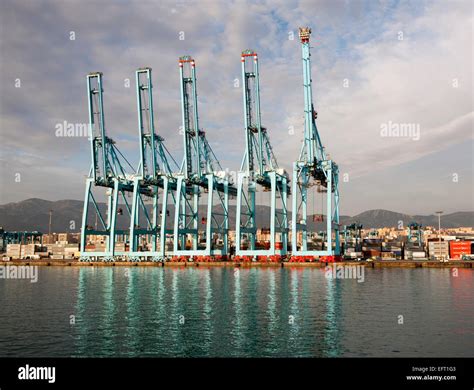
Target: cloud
x: 425, y: 79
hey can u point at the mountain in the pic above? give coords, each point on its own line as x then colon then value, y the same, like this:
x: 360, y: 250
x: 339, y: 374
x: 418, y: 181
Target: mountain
x: 33, y: 214
x: 385, y: 218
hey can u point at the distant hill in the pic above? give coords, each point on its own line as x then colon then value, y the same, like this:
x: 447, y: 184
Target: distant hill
x: 385, y: 218
x: 33, y: 214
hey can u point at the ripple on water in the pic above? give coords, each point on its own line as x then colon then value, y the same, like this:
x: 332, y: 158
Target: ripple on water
x: 249, y: 312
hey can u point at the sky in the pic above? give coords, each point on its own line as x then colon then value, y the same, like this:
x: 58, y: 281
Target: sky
x: 376, y: 65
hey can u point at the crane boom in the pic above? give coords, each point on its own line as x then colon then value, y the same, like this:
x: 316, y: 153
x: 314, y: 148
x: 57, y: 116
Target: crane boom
x: 109, y: 169
x: 259, y: 167
x: 313, y: 167
x: 155, y: 176
x: 155, y: 160
x: 200, y: 172
x: 99, y: 142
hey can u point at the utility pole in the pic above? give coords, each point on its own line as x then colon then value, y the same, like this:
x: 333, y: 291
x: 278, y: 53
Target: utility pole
x: 439, y: 231
x: 50, y: 219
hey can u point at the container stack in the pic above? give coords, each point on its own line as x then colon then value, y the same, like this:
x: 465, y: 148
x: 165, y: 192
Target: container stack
x: 414, y: 253
x: 459, y: 248
x: 25, y: 251
x: 123, y: 247
x: 418, y: 254
x: 371, y: 248
x: 351, y: 253
x: 438, y: 250
x: 14, y: 251
x: 56, y: 250
x: 97, y: 247
x: 65, y: 238
x: 28, y: 251
x: 70, y: 250
x: 392, y: 250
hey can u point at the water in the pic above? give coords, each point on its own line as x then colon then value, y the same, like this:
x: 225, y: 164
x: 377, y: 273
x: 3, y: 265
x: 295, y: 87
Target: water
x: 142, y: 311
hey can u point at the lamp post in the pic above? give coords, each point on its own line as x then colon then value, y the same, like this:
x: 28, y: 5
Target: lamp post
x: 439, y: 231
x: 50, y: 219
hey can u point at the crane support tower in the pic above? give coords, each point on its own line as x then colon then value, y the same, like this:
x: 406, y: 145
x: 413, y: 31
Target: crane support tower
x: 200, y: 174
x: 155, y: 175
x: 107, y: 171
x: 313, y: 169
x: 259, y: 171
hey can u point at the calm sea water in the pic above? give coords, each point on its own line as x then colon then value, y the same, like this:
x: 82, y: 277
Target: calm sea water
x: 194, y: 312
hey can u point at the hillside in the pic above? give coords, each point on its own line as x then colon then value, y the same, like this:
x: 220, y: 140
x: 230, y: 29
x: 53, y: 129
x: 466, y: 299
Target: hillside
x: 33, y: 214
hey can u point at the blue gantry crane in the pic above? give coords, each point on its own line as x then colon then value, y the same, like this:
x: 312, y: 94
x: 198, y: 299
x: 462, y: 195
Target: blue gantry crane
x: 195, y: 232
x: 108, y: 170
x: 200, y: 173
x: 313, y: 168
x: 155, y: 175
x: 259, y: 170
x: 415, y: 234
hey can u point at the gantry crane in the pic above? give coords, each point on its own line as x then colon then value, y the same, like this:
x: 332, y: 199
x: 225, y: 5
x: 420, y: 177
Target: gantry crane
x: 259, y: 169
x: 200, y: 173
x: 155, y: 174
x: 313, y: 167
x: 353, y: 235
x: 415, y: 234
x: 107, y: 171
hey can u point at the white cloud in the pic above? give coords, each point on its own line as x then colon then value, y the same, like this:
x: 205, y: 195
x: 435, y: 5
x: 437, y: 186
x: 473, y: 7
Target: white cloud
x: 409, y: 81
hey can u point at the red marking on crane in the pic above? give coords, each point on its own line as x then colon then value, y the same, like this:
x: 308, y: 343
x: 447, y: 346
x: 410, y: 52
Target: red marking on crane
x: 249, y: 55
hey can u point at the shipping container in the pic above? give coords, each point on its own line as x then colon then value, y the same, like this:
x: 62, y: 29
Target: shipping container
x: 13, y: 250
x: 388, y: 255
x: 371, y: 253
x: 419, y: 255
x: 459, y: 248
x: 438, y: 248
x: 438, y: 244
x: 355, y: 255
x: 460, y: 244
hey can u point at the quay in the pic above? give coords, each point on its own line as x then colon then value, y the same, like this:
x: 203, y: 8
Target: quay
x: 314, y: 264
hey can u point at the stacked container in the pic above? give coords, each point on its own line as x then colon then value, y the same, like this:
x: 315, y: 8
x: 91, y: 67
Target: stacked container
x: 14, y: 250
x: 459, y: 248
x: 439, y: 250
